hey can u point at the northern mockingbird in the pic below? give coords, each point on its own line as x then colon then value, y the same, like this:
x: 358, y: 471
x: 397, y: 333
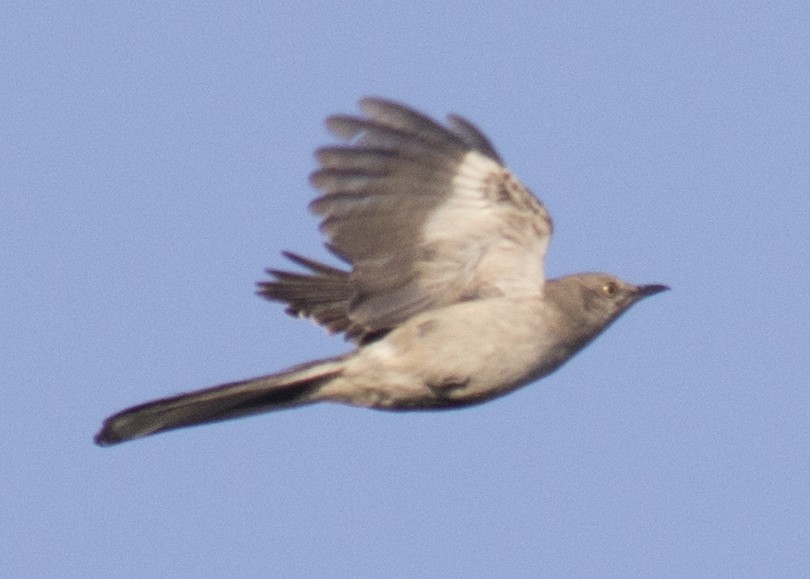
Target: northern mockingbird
x: 446, y: 297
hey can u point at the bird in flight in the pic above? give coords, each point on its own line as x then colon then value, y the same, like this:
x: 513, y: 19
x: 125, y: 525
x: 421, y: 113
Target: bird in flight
x: 444, y: 296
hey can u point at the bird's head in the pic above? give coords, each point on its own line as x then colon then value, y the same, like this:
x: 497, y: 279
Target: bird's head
x: 592, y: 301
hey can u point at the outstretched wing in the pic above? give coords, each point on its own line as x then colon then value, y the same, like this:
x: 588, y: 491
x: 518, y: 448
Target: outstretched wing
x: 323, y: 293
x: 426, y: 215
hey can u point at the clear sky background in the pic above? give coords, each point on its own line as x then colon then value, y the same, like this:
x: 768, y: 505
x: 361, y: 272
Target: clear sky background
x: 154, y: 159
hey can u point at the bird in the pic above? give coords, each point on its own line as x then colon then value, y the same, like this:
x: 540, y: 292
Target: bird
x: 443, y: 294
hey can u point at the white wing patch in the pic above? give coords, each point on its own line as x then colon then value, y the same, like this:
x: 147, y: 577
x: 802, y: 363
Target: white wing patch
x: 492, y: 228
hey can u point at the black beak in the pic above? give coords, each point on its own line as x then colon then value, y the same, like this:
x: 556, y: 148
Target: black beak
x: 645, y: 291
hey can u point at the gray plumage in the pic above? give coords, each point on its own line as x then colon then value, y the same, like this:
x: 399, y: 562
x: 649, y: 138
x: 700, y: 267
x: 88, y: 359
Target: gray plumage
x: 445, y: 296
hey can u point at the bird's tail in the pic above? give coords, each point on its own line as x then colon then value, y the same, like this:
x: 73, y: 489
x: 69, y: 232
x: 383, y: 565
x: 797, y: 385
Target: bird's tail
x: 294, y: 387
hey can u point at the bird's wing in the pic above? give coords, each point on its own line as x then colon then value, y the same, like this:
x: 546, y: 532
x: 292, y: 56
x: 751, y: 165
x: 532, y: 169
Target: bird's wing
x: 322, y: 293
x: 426, y: 215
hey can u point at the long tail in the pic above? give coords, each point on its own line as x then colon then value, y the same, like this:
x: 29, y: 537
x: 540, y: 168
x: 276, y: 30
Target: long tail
x: 294, y: 387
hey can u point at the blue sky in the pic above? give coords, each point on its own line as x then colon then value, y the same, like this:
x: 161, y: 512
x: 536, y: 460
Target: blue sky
x: 154, y: 161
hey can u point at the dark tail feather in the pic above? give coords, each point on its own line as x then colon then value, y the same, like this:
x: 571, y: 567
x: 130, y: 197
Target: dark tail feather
x: 295, y: 387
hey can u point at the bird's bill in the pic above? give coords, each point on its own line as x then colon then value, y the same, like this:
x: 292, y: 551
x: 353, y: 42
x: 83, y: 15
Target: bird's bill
x: 651, y: 289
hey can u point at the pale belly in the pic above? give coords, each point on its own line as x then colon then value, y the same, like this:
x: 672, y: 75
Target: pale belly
x: 453, y: 357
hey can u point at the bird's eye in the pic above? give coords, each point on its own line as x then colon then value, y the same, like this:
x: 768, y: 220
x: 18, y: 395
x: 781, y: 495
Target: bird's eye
x: 610, y: 289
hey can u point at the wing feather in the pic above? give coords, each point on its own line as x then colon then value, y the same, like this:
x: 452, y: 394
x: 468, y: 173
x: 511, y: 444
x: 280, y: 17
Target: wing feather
x: 425, y: 215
